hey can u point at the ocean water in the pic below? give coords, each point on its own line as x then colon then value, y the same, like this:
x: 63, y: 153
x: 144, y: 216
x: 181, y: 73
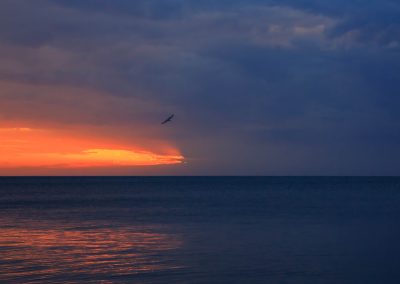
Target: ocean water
x: 200, y: 230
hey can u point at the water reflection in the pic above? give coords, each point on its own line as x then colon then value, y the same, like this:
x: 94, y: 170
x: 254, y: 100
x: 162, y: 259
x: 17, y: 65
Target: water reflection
x: 48, y: 252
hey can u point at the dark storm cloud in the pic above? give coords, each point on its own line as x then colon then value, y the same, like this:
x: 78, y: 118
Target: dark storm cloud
x: 258, y: 86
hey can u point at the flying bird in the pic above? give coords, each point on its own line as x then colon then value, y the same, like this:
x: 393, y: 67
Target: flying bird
x: 168, y: 119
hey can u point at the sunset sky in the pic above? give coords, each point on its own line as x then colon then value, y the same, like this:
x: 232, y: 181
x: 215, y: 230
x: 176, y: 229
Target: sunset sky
x: 257, y: 87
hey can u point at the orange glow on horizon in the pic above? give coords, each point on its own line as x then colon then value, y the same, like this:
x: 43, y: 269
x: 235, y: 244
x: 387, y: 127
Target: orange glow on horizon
x: 27, y: 147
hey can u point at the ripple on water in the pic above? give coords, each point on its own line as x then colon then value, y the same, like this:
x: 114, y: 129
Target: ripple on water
x: 53, y: 252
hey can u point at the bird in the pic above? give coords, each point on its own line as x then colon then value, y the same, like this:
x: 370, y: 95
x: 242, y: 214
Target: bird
x: 168, y: 119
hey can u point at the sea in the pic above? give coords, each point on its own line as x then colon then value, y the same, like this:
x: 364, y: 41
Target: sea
x: 200, y: 230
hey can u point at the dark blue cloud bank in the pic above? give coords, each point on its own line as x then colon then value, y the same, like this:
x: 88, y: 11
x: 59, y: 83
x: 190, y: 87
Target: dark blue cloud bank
x: 258, y: 87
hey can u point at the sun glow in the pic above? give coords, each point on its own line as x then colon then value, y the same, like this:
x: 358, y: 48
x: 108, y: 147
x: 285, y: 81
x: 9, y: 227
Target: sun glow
x: 27, y: 147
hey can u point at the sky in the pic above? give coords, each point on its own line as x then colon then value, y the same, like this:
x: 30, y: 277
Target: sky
x: 289, y: 87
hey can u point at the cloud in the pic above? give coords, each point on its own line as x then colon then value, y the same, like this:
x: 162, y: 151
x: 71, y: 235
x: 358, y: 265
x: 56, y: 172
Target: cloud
x: 256, y: 86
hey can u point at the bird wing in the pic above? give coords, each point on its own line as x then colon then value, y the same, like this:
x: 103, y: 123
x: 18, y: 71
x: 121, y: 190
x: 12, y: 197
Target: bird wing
x: 168, y: 119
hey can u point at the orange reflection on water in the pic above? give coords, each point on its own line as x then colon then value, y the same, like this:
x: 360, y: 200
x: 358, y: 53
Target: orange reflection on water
x: 50, y: 254
x: 27, y: 147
